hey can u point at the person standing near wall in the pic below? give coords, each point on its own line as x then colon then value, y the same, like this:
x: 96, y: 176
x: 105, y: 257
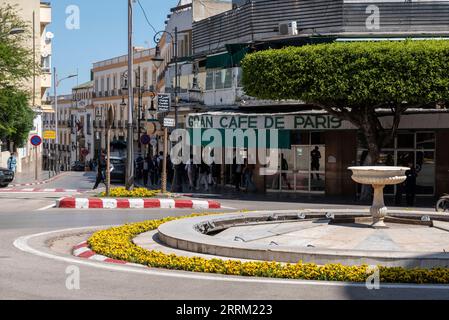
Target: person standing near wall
x: 12, y: 163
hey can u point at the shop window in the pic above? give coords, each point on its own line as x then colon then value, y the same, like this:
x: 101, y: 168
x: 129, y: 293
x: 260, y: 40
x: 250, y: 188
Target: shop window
x: 406, y: 140
x: 425, y: 140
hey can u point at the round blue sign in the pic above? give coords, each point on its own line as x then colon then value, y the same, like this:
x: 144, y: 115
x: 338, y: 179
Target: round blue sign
x: 36, y: 140
x: 145, y: 139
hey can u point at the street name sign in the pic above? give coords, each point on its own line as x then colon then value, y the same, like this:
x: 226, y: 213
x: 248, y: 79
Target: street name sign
x: 163, y: 102
x: 169, y: 122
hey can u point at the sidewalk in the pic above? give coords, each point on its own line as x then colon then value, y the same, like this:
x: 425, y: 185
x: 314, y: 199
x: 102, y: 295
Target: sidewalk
x: 229, y: 193
x: 29, y: 177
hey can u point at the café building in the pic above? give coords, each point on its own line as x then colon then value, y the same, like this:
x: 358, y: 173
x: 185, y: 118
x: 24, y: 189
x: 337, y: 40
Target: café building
x: 315, y: 149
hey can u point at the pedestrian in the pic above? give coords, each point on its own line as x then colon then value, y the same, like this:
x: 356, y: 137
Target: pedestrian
x: 238, y: 176
x: 410, y: 185
x: 203, y: 176
x: 315, y: 155
x: 248, y: 178
x: 284, y: 168
x: 101, y: 174
x: 12, y: 163
x: 190, y: 169
x: 145, y: 171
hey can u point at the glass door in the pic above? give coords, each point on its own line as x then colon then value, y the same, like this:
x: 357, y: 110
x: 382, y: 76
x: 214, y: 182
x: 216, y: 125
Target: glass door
x: 310, y: 171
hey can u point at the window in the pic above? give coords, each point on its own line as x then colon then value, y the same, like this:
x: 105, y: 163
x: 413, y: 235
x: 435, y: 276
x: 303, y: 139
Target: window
x: 46, y: 63
x: 410, y: 148
x: 88, y: 124
x: 210, y: 80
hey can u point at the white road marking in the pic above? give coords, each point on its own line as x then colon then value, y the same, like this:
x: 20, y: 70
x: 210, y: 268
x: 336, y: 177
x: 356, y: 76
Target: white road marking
x: 21, y: 243
x: 47, y: 207
x: 230, y: 208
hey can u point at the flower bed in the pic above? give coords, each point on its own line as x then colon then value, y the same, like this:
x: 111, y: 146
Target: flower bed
x: 135, y: 193
x: 117, y: 243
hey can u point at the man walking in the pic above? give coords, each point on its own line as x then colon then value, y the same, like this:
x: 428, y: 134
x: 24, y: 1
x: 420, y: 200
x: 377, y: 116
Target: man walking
x: 101, y: 168
x: 12, y: 163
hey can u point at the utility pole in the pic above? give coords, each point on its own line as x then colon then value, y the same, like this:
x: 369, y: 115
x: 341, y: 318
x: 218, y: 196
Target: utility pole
x: 175, y: 47
x: 56, y: 120
x: 130, y: 151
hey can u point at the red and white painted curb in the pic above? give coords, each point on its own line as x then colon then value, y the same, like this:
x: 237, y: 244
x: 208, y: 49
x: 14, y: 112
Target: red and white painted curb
x: 82, y: 250
x: 107, y: 203
x: 41, y: 190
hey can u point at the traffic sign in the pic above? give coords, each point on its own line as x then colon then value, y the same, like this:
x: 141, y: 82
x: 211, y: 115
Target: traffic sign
x: 153, y: 141
x: 145, y: 139
x: 49, y: 134
x: 163, y: 102
x: 85, y: 152
x: 36, y: 140
x: 169, y: 122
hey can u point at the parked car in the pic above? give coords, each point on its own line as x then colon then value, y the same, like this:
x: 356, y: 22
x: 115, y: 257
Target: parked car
x: 77, y: 166
x: 6, y: 177
x: 118, y: 172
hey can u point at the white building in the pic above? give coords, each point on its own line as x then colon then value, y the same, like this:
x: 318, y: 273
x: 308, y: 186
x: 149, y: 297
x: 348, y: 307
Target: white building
x: 81, y: 123
x: 40, y: 42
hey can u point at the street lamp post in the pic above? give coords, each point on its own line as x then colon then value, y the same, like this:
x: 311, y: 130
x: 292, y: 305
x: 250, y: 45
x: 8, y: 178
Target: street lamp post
x: 56, y: 84
x: 157, y: 60
x: 130, y: 145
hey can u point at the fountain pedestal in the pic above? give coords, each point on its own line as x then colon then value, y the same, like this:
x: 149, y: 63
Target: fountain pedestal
x: 378, y: 177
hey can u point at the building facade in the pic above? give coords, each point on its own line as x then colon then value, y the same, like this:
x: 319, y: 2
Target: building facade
x: 82, y: 115
x: 110, y: 90
x: 212, y: 96
x: 57, y: 156
x: 38, y: 14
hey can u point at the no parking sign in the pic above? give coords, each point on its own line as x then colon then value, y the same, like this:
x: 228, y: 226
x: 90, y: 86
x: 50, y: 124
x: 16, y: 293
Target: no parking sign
x: 36, y: 140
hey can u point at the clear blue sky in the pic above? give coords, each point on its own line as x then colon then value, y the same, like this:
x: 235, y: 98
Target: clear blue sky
x: 102, y: 34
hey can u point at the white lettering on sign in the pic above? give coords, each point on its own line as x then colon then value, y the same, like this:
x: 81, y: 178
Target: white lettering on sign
x: 268, y: 122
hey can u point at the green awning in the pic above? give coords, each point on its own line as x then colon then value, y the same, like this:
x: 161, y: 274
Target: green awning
x: 231, y: 58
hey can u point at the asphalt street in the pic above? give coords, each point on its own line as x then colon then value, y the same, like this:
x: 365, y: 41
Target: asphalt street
x: 41, y: 274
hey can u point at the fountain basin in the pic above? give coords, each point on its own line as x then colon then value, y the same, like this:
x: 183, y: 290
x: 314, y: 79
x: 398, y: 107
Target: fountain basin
x: 379, y: 175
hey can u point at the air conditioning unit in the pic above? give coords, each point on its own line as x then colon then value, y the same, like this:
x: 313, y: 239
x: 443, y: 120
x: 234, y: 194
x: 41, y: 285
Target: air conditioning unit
x: 289, y: 28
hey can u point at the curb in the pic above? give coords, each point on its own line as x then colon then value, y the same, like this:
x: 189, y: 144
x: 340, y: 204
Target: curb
x: 55, y: 190
x: 82, y: 250
x: 38, y: 182
x: 100, y: 203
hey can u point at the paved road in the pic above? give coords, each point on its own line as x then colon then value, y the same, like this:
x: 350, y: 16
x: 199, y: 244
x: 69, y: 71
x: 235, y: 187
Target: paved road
x: 30, y: 276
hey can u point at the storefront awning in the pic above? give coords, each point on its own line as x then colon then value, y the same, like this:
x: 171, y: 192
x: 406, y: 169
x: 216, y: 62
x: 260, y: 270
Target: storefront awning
x: 231, y: 58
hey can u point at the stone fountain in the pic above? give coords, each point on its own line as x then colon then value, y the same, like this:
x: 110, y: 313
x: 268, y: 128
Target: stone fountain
x: 379, y: 177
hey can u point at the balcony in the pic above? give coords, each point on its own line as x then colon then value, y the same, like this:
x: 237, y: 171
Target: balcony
x: 45, y: 13
x: 46, y: 78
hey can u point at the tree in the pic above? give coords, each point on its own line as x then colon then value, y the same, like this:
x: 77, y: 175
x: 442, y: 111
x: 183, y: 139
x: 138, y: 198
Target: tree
x: 360, y: 82
x: 16, y: 67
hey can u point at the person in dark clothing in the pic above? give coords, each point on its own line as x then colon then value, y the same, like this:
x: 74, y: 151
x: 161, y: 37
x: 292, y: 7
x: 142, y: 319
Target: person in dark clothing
x: 315, y: 155
x: 238, y: 176
x: 146, y: 171
x: 410, y: 185
x: 101, y: 168
x: 284, y: 168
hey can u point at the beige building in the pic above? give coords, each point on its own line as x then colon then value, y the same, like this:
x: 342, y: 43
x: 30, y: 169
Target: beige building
x: 110, y: 77
x: 40, y: 41
x: 51, y: 151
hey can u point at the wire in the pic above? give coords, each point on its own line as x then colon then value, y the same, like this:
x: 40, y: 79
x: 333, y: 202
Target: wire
x: 146, y: 17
